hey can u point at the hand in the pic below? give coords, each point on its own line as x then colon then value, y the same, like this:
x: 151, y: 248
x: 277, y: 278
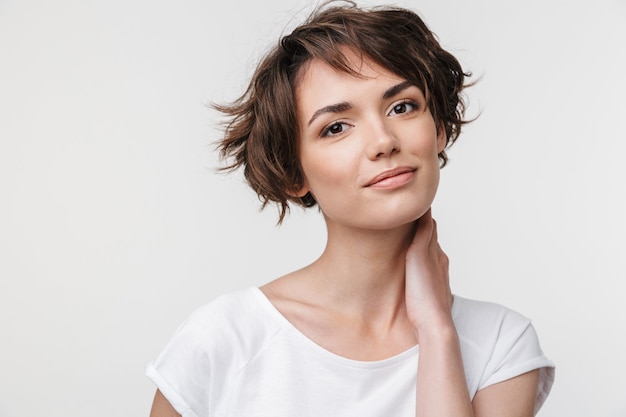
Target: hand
x: 428, y: 295
x: 441, y: 384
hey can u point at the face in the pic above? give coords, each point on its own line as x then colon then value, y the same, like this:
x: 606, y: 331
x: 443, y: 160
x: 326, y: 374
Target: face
x: 368, y: 145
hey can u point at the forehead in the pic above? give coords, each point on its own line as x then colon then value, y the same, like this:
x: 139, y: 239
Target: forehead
x: 359, y: 66
x: 320, y: 83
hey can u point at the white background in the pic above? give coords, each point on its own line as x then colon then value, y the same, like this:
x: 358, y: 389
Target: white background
x: 114, y: 225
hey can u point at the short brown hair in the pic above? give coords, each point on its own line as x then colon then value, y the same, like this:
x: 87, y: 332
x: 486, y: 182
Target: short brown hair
x: 261, y: 129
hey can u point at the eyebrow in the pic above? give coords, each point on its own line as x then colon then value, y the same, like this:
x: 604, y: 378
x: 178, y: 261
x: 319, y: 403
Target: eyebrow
x: 396, y: 89
x: 333, y: 108
x: 344, y: 106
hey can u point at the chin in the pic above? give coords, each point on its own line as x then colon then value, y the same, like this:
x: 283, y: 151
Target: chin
x: 389, y: 219
x: 379, y: 214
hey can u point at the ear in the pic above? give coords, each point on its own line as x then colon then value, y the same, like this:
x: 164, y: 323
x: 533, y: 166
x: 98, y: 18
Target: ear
x: 299, y: 193
x: 442, y: 138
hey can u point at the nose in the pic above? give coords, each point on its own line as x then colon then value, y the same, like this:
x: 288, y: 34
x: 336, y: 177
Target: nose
x: 381, y: 142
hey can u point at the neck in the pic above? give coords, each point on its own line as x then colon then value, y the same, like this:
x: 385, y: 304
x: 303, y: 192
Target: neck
x: 362, y: 271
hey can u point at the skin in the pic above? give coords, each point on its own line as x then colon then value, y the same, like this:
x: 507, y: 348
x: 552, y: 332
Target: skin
x: 381, y: 285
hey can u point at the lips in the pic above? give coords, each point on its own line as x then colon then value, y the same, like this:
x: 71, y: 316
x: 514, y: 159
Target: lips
x: 396, y: 176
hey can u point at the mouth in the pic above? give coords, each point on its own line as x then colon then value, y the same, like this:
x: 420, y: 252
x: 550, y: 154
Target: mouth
x: 392, y: 178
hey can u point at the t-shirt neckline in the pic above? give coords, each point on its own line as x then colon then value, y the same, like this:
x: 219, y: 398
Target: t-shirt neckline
x: 305, y: 340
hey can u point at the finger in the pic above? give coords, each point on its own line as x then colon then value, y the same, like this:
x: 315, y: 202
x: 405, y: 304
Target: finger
x: 421, y: 243
x: 435, y: 242
x: 434, y: 236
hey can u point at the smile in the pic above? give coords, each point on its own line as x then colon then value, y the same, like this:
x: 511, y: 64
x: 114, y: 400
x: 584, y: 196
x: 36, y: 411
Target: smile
x: 393, y: 178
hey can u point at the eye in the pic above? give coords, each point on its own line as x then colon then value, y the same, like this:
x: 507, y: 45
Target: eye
x: 403, y: 107
x: 335, y: 129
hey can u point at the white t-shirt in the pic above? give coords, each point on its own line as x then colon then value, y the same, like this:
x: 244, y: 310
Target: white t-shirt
x: 238, y: 356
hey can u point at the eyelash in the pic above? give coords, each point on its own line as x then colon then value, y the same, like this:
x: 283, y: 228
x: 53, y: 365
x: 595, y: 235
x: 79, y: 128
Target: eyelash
x: 404, y: 103
x: 327, y: 131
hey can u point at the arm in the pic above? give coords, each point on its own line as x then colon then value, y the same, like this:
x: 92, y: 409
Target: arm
x: 441, y: 385
x: 161, y: 407
x: 514, y: 397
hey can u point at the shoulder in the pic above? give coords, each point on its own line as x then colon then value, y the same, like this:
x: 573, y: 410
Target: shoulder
x: 238, y: 319
x: 478, y: 321
x: 483, y: 309
x: 497, y: 344
x: 223, y: 335
x: 227, y: 307
x: 210, y: 348
x: 493, y: 332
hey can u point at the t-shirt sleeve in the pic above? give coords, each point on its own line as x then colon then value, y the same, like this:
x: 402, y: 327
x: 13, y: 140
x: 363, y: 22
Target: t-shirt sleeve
x: 186, y: 371
x: 516, y: 352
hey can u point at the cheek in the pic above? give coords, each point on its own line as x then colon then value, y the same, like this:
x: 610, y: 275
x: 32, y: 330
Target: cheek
x: 423, y: 145
x: 428, y: 145
x: 326, y: 173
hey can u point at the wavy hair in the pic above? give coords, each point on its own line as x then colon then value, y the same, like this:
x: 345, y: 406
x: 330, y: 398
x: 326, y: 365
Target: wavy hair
x: 261, y: 127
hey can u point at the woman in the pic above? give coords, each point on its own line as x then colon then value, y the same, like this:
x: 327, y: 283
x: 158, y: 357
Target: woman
x: 353, y: 112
